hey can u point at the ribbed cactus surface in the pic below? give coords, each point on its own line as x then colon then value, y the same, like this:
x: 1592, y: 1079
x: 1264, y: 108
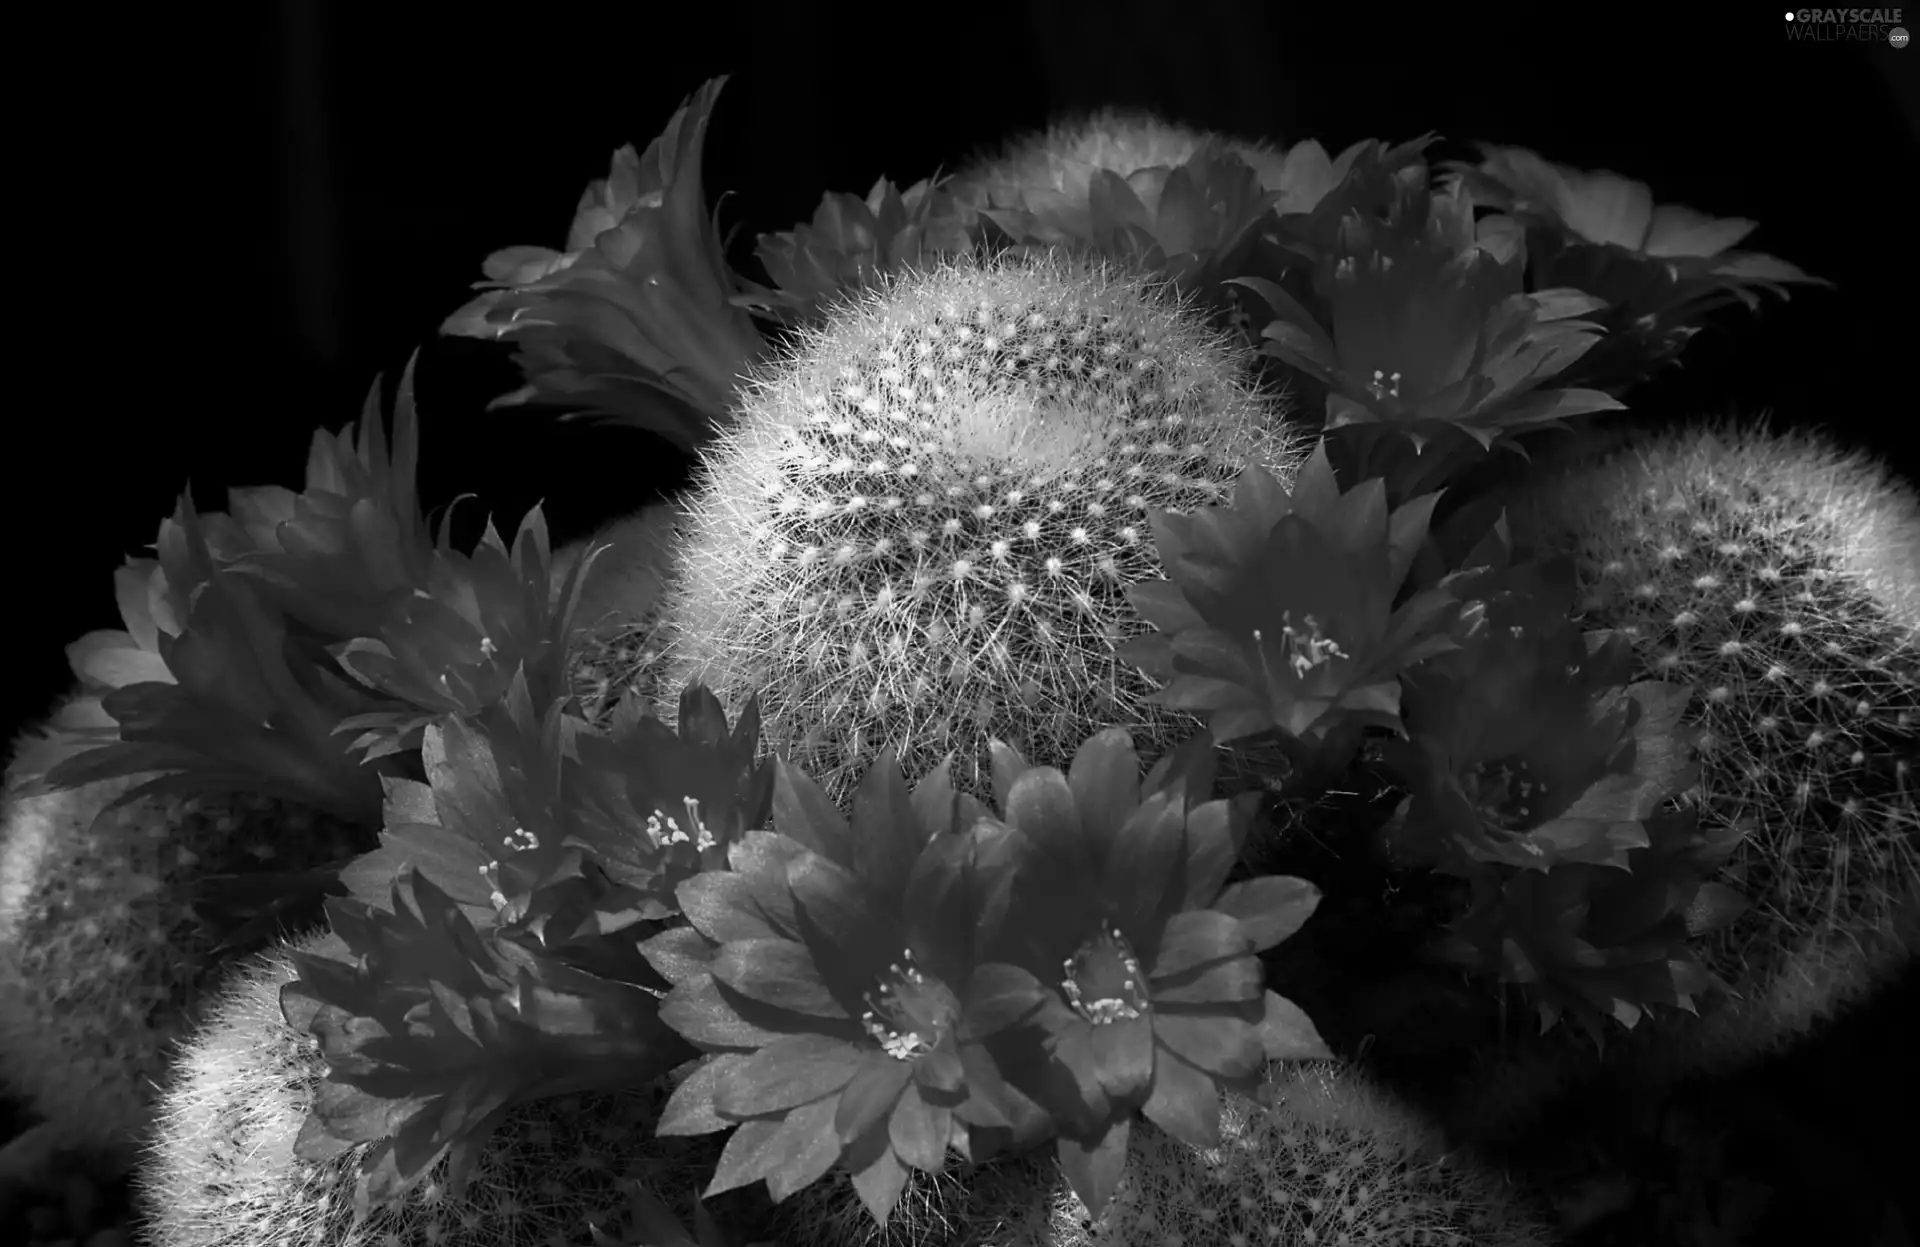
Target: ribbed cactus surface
x: 920, y: 526
x: 1780, y: 576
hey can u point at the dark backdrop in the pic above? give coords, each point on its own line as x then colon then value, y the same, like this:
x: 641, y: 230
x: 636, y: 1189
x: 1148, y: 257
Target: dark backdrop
x: 249, y: 211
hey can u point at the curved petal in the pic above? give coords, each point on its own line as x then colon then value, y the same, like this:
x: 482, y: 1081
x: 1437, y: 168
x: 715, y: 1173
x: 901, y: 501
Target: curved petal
x: 869, y: 1097
x: 1143, y: 876
x: 1236, y: 980
x: 1195, y: 938
x: 1122, y: 1053
x: 919, y: 1131
x: 787, y: 1073
x: 1105, y: 780
x: 1185, y: 1102
x: 780, y: 973
x: 1214, y: 1042
x: 704, y: 1017
x: 999, y: 996
x: 1270, y: 907
x: 1040, y: 805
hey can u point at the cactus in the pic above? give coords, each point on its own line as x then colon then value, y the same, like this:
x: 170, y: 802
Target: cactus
x: 103, y: 954
x: 920, y: 527
x: 1057, y: 164
x: 1322, y: 1157
x: 1780, y: 576
x: 221, y: 1170
x: 618, y: 643
x: 1002, y: 1202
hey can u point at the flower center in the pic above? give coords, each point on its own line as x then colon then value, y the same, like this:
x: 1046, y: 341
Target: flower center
x: 663, y: 829
x: 1305, y: 647
x: 909, y: 1012
x: 1505, y: 793
x: 1103, y: 980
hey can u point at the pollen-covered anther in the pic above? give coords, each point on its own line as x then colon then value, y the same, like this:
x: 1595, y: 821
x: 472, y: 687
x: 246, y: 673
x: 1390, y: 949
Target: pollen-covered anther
x: 908, y: 1012
x: 663, y: 830
x: 1103, y: 980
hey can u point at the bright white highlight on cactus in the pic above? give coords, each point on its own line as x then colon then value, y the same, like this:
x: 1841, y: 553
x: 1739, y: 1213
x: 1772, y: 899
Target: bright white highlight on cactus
x: 1780, y: 576
x: 920, y: 524
x: 1329, y: 1161
x: 221, y: 1170
x: 102, y: 957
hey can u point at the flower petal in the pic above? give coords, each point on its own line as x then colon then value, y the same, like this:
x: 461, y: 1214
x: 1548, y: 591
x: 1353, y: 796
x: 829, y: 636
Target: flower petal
x: 887, y: 832
x: 690, y: 1109
x: 1680, y: 232
x: 811, y: 1147
x: 1215, y: 1042
x: 704, y: 1017
x: 919, y: 1131
x: 1288, y: 1034
x: 941, y: 1073
x: 753, y: 1151
x: 1185, y: 1102
x: 1105, y: 781
x: 720, y: 905
x: 1123, y: 1058
x: 841, y: 930
x: 1143, y: 873
x: 802, y: 812
x: 869, y: 1097
x: 1236, y: 980
x: 1000, y: 995
x: 1040, y: 805
x: 780, y: 973
x: 789, y: 1072
x: 1195, y: 938
x: 1214, y: 835
x: 1270, y: 908
x: 1093, y: 1167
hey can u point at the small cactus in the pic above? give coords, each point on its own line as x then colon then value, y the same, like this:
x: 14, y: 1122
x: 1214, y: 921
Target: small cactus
x: 1058, y: 163
x: 920, y: 526
x: 1325, y: 1159
x: 103, y: 955
x: 1779, y: 575
x: 221, y: 1169
x: 619, y: 641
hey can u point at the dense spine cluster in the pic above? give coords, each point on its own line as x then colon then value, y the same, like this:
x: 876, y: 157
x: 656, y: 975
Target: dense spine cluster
x: 222, y: 1172
x: 1781, y: 578
x: 920, y: 525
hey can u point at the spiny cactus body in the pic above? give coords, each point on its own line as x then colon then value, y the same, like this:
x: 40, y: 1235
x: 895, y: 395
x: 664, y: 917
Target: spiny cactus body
x: 1326, y: 1160
x: 1059, y: 162
x: 1780, y: 576
x: 920, y: 526
x: 221, y: 1169
x: 102, y: 955
x: 618, y: 645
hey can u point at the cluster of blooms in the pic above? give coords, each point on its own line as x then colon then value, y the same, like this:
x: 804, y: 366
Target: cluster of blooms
x: 558, y: 906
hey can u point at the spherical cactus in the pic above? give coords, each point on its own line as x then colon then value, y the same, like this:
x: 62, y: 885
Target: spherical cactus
x: 102, y: 955
x: 1325, y: 1159
x: 1058, y: 163
x: 920, y: 525
x: 617, y: 645
x: 221, y: 1170
x: 1779, y: 575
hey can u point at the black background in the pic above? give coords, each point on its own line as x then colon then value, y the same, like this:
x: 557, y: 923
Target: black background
x: 246, y: 212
